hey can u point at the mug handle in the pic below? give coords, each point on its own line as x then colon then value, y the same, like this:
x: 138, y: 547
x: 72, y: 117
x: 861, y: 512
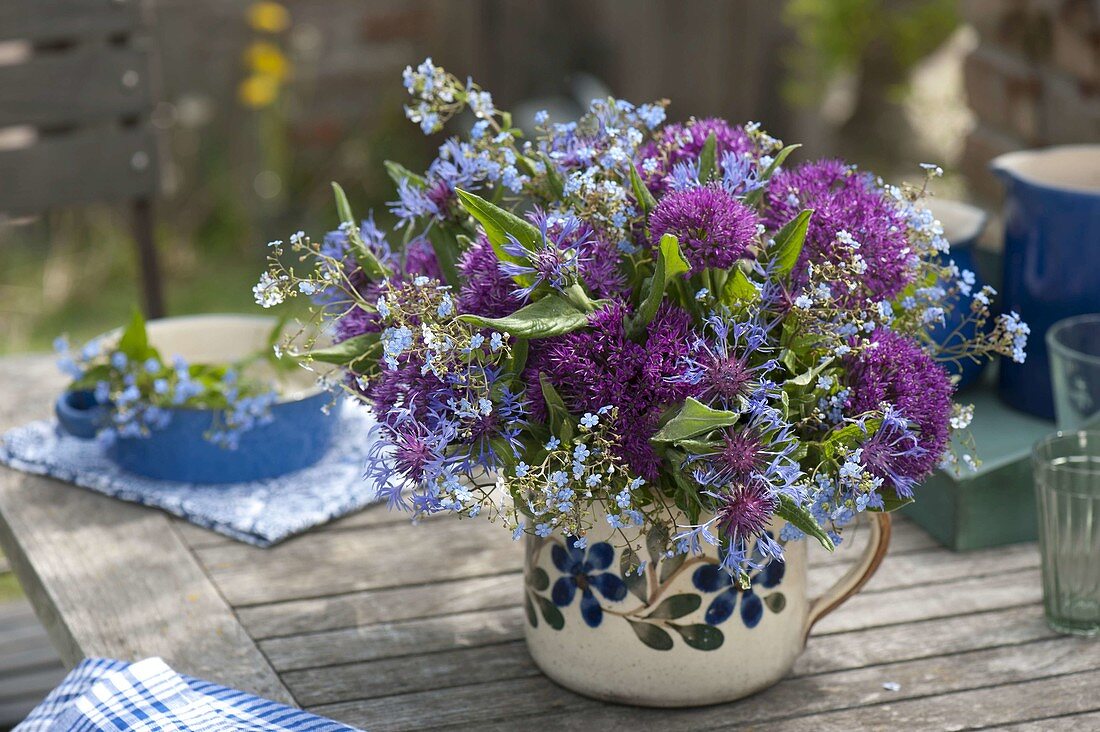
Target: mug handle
x: 856, y: 576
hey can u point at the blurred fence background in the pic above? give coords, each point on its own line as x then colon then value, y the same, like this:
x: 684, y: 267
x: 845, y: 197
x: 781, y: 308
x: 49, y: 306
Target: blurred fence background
x: 258, y: 104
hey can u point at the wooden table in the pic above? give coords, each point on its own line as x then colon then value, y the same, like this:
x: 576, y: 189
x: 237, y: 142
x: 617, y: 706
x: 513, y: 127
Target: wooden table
x: 389, y: 626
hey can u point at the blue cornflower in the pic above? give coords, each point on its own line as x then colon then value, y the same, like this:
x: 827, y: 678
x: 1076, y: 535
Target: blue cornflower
x: 727, y: 363
x: 554, y: 261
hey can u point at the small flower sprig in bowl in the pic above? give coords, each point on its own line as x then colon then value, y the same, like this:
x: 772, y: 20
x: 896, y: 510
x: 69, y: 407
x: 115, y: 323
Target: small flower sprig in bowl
x: 180, y: 418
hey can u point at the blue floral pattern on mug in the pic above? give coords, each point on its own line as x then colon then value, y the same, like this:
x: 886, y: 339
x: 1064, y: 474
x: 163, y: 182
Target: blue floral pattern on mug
x: 711, y: 578
x: 583, y: 570
x: 663, y: 613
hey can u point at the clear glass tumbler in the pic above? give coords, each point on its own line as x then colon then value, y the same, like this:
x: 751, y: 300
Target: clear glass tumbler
x: 1067, y: 492
x: 1074, y: 348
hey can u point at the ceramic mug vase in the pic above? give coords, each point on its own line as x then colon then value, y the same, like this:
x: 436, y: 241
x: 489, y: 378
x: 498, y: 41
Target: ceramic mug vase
x: 681, y: 633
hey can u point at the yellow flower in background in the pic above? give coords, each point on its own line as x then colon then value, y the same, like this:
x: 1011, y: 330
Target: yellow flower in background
x: 266, y: 59
x: 258, y: 91
x: 268, y: 17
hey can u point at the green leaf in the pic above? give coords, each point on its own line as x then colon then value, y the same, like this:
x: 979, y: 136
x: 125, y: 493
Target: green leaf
x: 670, y: 565
x: 538, y: 579
x: 652, y: 635
x: 699, y: 636
x: 645, y: 199
x: 738, y: 289
x: 776, y: 602
x: 694, y: 418
x: 446, y: 247
x: 517, y: 361
x: 801, y: 518
x: 549, y: 316
x: 553, y: 177
x: 787, y: 246
x: 677, y: 606
x: 347, y: 352
x: 399, y: 172
x: 363, y: 255
x: 498, y: 224
x: 561, y: 422
x: 708, y: 159
x: 628, y: 568
x: 550, y: 613
x: 852, y: 436
x: 656, y: 543
x: 754, y: 197
x: 670, y: 264
x: 134, y: 341
x: 529, y: 609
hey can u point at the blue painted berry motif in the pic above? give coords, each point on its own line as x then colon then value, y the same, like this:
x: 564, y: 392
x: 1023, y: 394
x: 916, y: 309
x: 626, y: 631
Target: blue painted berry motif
x: 582, y: 569
x: 711, y: 578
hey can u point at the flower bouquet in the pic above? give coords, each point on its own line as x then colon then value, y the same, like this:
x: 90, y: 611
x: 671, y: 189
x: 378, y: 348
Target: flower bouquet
x: 662, y: 352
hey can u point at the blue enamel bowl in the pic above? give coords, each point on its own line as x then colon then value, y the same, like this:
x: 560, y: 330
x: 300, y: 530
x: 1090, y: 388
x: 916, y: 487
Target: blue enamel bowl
x: 299, y: 434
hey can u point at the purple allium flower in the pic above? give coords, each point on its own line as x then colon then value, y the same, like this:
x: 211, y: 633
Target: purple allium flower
x: 420, y: 260
x: 745, y: 509
x: 676, y: 143
x: 843, y: 199
x: 485, y: 290
x: 713, y: 227
x: 897, y: 372
x: 601, y: 366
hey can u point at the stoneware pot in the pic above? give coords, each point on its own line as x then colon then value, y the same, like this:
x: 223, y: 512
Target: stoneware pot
x: 962, y: 225
x: 680, y: 634
x: 1051, y: 256
x: 298, y: 435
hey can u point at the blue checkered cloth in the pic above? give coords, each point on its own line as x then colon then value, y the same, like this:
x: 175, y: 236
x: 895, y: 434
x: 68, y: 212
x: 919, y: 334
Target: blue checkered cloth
x: 148, y: 696
x: 262, y: 512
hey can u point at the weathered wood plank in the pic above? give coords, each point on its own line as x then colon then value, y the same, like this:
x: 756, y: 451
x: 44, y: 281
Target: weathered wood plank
x: 56, y: 170
x: 80, y: 85
x: 60, y: 20
x: 352, y: 644
x: 907, y: 604
x: 826, y: 654
x: 1072, y: 693
x: 1067, y: 723
x: 859, y: 695
x: 109, y: 578
x: 381, y: 606
x: 935, y: 566
x: 388, y: 556
x: 479, y: 628
x: 393, y: 555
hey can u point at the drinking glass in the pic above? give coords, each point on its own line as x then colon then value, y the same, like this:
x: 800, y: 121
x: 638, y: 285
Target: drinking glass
x: 1073, y: 345
x: 1067, y: 492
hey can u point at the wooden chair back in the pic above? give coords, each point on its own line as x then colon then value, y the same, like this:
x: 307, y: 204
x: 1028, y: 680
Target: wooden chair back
x: 75, y: 105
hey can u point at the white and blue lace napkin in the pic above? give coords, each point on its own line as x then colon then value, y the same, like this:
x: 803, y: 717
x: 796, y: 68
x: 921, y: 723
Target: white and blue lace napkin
x: 262, y: 512
x: 104, y: 695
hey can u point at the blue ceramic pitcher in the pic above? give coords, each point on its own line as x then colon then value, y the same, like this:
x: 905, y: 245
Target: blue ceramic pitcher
x: 1051, y: 256
x: 962, y: 225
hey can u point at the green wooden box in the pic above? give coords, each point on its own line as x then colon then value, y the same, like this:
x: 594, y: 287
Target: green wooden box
x: 995, y: 504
